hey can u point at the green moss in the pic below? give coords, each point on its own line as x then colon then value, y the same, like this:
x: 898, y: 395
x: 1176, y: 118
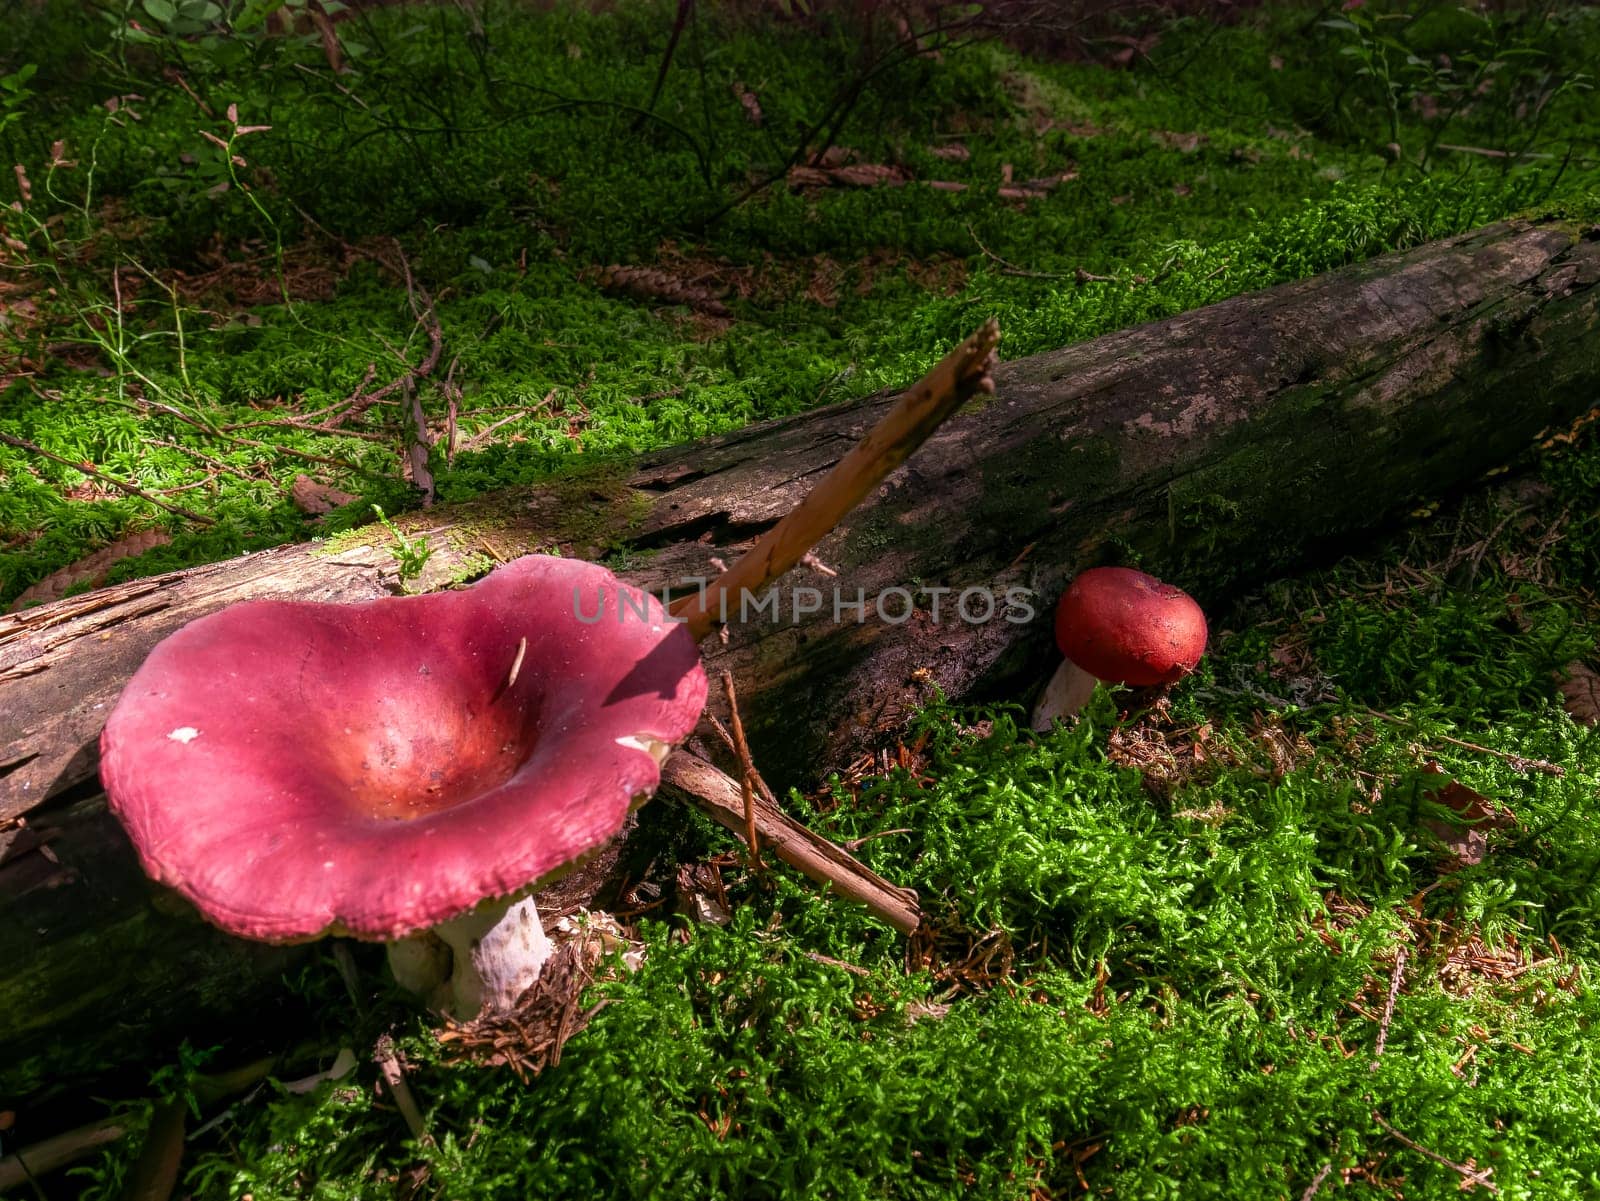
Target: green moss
x: 1195, y: 954
x: 508, y: 241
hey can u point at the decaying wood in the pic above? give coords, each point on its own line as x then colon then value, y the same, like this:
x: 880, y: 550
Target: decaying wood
x: 1220, y: 445
x: 717, y: 795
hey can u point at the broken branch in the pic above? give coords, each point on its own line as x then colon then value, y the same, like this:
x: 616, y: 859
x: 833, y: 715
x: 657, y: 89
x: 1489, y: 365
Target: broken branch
x: 958, y: 376
x: 719, y: 797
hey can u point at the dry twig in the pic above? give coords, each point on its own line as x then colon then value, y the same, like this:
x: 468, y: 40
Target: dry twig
x: 958, y: 376
x: 116, y: 482
x: 720, y: 798
x: 1009, y: 268
x: 747, y: 775
x: 1388, y: 1006
x: 1517, y: 762
x: 1316, y: 1181
x: 1471, y: 1175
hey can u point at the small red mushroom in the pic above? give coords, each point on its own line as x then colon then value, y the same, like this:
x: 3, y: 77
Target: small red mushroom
x: 403, y: 765
x: 1123, y: 627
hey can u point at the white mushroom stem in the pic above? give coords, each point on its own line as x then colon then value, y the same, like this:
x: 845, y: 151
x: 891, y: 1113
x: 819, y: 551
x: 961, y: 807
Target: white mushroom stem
x: 420, y: 963
x: 1067, y: 692
x: 491, y: 957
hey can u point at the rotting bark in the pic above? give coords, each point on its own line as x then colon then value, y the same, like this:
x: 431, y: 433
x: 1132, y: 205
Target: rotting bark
x: 1221, y: 445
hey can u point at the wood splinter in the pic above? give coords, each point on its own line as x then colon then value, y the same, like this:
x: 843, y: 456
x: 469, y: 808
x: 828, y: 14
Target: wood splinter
x: 747, y: 773
x: 955, y: 379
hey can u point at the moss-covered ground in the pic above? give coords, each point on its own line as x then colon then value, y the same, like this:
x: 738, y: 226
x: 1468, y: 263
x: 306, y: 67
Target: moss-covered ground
x: 1214, y: 949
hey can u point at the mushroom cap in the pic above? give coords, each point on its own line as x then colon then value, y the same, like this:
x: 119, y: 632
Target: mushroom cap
x: 298, y: 769
x: 1126, y: 627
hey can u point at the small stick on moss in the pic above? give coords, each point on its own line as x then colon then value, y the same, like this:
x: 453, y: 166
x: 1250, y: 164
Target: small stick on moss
x: 1388, y: 1006
x: 855, y: 969
x: 143, y: 405
x: 1009, y: 268
x: 217, y: 464
x: 762, y: 790
x: 717, y: 795
x: 310, y: 427
x: 958, y: 376
x: 394, y: 1076
x: 746, y: 774
x: 1517, y: 762
x: 90, y: 469
x: 473, y: 441
x: 1316, y: 1181
x: 277, y: 448
x: 383, y: 1052
x: 1471, y: 1175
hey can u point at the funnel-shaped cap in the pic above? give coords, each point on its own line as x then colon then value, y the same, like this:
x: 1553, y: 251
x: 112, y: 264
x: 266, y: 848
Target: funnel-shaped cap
x: 297, y: 769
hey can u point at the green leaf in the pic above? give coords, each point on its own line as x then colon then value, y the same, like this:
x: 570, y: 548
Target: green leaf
x: 162, y: 10
x: 18, y: 79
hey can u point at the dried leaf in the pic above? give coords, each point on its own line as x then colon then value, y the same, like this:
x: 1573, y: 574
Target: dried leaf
x: 1046, y: 183
x: 1580, y: 692
x: 311, y: 496
x: 331, y: 49
x: 946, y: 276
x: 869, y: 175
x: 1186, y: 143
x: 752, y: 106
x: 650, y: 283
x: 1133, y: 47
x: 808, y: 177
x: 953, y: 152
x: 824, y: 286
x: 1466, y: 840
x: 1035, y: 188
x: 701, y: 894
x: 855, y: 175
x: 91, y: 569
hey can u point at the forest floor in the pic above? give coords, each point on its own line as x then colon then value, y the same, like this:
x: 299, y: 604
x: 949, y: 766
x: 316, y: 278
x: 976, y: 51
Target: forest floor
x: 1237, y: 946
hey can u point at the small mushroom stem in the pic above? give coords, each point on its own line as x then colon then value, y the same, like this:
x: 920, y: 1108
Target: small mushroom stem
x: 498, y: 951
x: 1067, y: 692
x: 420, y: 962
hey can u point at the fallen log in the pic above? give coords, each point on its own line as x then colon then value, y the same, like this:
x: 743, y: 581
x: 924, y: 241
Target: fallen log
x: 1220, y: 445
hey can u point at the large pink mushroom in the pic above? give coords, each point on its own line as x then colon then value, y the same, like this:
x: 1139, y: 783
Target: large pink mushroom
x: 1120, y: 626
x: 410, y: 769
x: 403, y: 765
